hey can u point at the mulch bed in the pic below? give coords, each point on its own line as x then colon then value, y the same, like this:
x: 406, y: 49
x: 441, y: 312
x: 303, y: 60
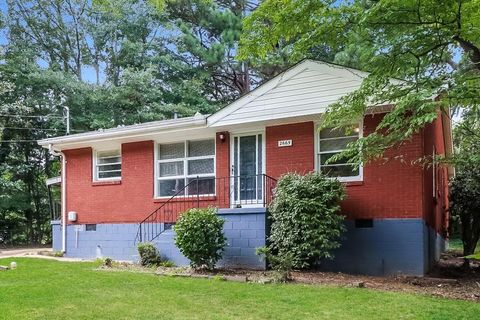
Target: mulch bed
x: 448, y: 279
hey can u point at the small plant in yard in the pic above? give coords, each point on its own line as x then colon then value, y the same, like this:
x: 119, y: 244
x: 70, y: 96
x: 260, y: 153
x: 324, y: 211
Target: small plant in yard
x: 108, y: 262
x: 149, y: 255
x: 199, y: 236
x: 167, y: 264
x: 306, y: 224
x: 58, y: 254
x: 282, y: 264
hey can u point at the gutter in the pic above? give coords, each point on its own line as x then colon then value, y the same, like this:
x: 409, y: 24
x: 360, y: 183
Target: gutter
x: 64, y: 194
x: 128, y: 131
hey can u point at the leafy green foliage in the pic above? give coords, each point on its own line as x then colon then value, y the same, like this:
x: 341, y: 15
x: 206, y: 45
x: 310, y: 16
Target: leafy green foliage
x: 466, y: 136
x: 465, y: 186
x: 167, y: 264
x: 306, y: 224
x: 149, y: 255
x: 58, y: 254
x: 465, y: 205
x: 113, y: 63
x: 430, y: 45
x: 282, y: 263
x: 199, y: 236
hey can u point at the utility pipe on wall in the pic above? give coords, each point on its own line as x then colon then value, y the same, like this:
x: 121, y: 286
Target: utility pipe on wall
x: 64, y: 195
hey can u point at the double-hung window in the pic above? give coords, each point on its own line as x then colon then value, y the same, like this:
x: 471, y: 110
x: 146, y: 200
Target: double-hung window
x: 189, y: 163
x: 108, y: 165
x: 332, y: 142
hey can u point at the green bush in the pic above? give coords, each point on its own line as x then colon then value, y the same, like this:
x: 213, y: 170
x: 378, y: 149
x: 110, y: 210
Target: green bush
x: 149, y: 255
x: 199, y: 236
x: 306, y: 224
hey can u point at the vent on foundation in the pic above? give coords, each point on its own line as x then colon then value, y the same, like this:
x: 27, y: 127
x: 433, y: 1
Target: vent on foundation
x: 363, y: 223
x: 90, y: 227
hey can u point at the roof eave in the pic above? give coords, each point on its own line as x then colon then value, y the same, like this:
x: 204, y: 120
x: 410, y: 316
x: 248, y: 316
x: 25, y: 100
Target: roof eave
x: 125, y: 132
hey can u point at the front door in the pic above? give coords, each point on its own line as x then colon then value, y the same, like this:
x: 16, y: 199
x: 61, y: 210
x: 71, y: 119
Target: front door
x: 247, y: 169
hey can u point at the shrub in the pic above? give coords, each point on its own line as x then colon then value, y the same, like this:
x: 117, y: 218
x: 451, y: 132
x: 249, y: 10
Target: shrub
x: 149, y: 255
x: 306, y: 224
x: 199, y: 236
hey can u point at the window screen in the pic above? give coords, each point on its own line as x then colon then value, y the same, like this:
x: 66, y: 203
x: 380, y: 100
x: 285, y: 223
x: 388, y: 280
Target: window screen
x: 331, y: 143
x: 181, y: 163
x: 108, y: 165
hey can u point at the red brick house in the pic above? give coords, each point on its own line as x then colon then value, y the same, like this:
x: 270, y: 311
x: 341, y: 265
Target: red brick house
x: 129, y: 184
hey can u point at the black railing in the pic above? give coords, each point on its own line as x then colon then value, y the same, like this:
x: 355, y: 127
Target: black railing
x: 203, y: 192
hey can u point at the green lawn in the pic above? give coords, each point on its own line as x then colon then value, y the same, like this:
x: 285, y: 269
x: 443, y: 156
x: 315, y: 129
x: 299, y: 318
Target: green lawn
x: 455, y: 244
x: 41, y: 289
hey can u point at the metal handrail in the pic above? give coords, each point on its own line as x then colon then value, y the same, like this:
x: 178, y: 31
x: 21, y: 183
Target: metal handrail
x: 246, y: 189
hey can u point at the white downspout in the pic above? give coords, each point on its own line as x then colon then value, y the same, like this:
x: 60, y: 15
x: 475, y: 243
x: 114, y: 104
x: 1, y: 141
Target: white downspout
x: 64, y: 195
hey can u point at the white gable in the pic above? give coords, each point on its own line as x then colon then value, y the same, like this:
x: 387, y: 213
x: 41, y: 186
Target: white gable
x: 306, y: 89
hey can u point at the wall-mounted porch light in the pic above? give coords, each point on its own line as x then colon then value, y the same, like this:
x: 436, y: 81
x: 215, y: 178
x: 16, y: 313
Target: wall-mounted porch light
x: 222, y: 136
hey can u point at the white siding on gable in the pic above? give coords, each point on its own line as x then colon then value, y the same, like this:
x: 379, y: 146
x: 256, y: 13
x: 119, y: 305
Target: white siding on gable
x: 309, y: 91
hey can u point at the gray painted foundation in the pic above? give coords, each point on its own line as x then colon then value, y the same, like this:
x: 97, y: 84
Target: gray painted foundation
x: 56, y: 235
x: 244, y: 229
x: 436, y: 245
x: 390, y: 247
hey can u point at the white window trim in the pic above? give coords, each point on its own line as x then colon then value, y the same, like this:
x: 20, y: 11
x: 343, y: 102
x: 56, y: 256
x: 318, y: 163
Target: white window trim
x: 357, y: 178
x: 95, y: 177
x: 185, y: 160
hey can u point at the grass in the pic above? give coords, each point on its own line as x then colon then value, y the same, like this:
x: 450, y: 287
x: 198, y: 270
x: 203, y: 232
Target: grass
x: 41, y: 289
x: 455, y: 244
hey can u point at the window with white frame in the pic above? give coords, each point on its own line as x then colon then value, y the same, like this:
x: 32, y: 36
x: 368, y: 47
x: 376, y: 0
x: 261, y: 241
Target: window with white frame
x: 179, y: 164
x: 332, y: 142
x: 108, y: 165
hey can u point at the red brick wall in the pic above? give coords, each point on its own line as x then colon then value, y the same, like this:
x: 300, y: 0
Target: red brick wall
x: 222, y: 163
x: 132, y: 198
x: 297, y: 158
x: 391, y: 187
x: 435, y: 208
x: 128, y: 200
x: 389, y: 190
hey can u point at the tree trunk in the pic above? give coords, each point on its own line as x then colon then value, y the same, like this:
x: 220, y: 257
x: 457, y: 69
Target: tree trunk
x: 470, y: 236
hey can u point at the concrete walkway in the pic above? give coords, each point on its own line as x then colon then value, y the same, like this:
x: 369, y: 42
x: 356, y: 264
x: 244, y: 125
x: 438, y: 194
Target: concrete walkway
x: 34, y: 253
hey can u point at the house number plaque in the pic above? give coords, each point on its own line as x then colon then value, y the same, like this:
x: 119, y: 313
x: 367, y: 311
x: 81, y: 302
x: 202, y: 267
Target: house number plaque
x: 285, y: 143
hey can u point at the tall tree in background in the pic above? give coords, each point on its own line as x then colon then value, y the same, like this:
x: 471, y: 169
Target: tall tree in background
x: 434, y: 46
x: 28, y: 111
x: 112, y: 62
x: 207, y: 43
x: 465, y: 186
